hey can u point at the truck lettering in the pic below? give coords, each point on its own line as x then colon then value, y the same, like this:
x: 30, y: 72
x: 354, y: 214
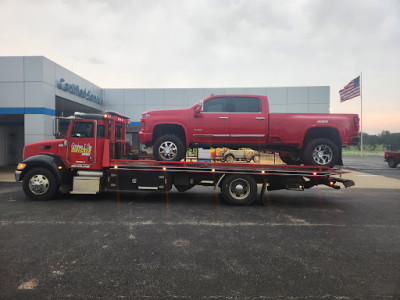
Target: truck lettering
x: 85, y: 149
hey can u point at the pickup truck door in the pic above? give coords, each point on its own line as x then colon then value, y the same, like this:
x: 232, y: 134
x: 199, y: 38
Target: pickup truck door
x: 248, y: 123
x: 211, y: 125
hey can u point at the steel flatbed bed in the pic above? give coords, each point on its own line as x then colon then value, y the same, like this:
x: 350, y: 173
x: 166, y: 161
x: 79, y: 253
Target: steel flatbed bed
x: 237, y: 181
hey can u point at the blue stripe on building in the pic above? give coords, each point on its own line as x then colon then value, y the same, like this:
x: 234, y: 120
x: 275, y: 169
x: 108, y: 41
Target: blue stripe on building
x: 36, y: 111
x: 27, y: 110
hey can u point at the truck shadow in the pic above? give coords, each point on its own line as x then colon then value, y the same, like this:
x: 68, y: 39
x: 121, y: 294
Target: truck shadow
x: 208, y: 198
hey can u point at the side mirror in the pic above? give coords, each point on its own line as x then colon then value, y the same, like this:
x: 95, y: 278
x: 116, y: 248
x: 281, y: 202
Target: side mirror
x: 197, y: 109
x: 56, y: 126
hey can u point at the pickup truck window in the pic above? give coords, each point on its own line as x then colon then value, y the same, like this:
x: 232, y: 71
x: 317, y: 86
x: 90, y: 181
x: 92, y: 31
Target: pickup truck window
x: 245, y: 105
x: 219, y: 104
x: 82, y: 130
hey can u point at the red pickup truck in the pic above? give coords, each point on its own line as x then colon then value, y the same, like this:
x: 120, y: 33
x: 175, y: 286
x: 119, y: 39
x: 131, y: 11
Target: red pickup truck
x: 392, y: 158
x: 236, y: 121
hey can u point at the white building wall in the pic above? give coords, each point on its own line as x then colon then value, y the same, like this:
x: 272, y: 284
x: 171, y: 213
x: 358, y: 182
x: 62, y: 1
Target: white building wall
x: 133, y: 102
x: 28, y: 87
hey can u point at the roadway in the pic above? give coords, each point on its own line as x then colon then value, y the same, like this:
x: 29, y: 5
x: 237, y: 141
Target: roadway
x: 371, y: 165
x: 317, y: 244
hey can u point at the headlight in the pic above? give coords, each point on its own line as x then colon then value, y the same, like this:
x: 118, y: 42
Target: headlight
x: 21, y: 166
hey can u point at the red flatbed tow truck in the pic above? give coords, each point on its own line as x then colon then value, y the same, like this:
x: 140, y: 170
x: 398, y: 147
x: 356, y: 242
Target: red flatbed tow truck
x: 94, y: 156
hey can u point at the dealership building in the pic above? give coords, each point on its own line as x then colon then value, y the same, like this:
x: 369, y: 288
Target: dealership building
x: 33, y: 89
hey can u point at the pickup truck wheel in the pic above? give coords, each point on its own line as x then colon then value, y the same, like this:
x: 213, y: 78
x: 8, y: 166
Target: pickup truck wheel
x: 392, y: 162
x: 290, y: 160
x: 239, y: 189
x: 168, y: 148
x: 321, y: 152
x: 40, y: 184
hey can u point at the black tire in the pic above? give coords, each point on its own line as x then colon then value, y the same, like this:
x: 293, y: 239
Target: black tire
x: 40, y: 184
x: 392, y: 162
x: 321, y: 152
x: 239, y: 189
x: 169, y: 148
x: 229, y: 158
x: 290, y: 160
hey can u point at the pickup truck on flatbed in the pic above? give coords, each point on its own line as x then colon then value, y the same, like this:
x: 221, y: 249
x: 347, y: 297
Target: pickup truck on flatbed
x: 236, y: 121
x: 392, y: 158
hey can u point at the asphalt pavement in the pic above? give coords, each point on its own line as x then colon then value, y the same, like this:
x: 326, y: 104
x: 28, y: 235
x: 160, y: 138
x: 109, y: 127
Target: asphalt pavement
x: 371, y: 165
x: 317, y: 244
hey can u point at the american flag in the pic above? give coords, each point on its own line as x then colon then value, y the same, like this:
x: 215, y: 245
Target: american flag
x: 351, y: 90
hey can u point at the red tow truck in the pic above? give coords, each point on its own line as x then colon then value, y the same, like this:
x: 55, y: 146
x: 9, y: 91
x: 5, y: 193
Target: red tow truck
x: 94, y: 156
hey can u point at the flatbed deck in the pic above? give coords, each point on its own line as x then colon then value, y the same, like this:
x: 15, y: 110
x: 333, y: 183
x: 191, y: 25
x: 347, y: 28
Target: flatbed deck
x: 223, y: 168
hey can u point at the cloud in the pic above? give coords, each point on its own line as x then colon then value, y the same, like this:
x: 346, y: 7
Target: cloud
x: 208, y: 43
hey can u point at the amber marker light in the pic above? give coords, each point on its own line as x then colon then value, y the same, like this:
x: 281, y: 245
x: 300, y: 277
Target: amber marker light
x: 21, y: 166
x: 164, y: 169
x: 115, y: 167
x: 213, y: 170
x: 262, y: 172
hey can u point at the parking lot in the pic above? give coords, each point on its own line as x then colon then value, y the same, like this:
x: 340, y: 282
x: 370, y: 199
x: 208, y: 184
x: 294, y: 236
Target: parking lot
x: 317, y: 244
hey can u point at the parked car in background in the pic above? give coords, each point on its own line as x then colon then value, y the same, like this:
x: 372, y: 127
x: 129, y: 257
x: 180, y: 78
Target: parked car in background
x: 242, y: 154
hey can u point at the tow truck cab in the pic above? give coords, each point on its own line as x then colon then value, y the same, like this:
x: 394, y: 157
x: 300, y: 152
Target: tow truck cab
x: 91, y: 141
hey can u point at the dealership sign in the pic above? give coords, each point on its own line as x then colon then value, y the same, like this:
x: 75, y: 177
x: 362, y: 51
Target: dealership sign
x: 75, y: 90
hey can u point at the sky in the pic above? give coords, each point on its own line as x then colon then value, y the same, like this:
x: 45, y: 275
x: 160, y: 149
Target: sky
x: 220, y: 43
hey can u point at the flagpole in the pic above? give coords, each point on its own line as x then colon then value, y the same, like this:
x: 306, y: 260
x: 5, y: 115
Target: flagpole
x: 361, y: 115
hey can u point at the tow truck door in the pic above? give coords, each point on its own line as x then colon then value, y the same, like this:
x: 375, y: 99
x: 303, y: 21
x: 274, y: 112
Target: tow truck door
x: 82, y: 143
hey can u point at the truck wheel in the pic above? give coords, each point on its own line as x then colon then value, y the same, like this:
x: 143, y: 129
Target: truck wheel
x: 239, y: 189
x: 168, y: 148
x: 40, y: 184
x: 321, y: 152
x: 229, y: 158
x: 392, y: 162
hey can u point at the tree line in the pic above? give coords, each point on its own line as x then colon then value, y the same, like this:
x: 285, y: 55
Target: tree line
x: 390, y: 141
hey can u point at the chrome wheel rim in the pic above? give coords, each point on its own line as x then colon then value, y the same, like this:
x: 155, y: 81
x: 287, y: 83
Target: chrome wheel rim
x: 168, y: 150
x: 239, y: 189
x: 322, y: 154
x: 39, y: 184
